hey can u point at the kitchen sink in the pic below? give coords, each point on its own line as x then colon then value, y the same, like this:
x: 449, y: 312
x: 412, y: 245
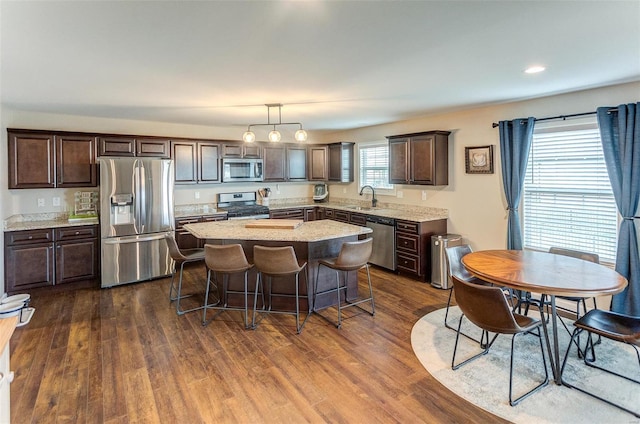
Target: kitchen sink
x: 364, y: 208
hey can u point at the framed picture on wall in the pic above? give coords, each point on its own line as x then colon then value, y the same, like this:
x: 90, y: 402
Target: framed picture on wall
x: 478, y: 159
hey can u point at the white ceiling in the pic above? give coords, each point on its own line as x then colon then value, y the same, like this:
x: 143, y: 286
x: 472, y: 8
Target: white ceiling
x: 334, y: 65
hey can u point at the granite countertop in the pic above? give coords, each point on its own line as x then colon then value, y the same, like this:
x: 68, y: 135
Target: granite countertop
x: 311, y: 231
x: 403, y: 212
x: 43, y: 220
x: 199, y: 209
x: 388, y: 210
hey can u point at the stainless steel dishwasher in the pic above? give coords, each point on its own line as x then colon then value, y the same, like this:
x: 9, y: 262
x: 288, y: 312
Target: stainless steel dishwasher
x: 384, y: 241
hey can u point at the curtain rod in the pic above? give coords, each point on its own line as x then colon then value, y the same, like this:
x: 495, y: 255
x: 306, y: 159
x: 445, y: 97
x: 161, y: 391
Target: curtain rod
x: 563, y: 117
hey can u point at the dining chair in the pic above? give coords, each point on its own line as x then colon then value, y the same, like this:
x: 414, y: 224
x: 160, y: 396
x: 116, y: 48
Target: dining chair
x: 278, y: 263
x: 353, y: 256
x: 576, y: 301
x: 180, y: 258
x: 225, y: 260
x: 487, y: 307
x: 610, y: 325
x: 454, y: 257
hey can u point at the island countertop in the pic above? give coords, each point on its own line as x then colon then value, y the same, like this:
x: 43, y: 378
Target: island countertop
x: 310, y: 231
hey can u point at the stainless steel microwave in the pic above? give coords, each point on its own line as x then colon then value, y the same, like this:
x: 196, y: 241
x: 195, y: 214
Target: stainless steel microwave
x: 237, y: 170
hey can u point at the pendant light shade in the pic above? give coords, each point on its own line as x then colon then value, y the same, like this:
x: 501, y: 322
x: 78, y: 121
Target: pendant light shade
x: 301, y: 135
x: 274, y: 135
x: 249, y: 137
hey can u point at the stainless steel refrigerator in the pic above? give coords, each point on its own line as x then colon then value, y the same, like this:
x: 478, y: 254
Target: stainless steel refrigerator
x: 136, y: 211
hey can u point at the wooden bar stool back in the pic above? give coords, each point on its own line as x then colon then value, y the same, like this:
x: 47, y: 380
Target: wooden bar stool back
x: 225, y: 260
x: 354, y: 255
x: 180, y: 258
x: 276, y: 263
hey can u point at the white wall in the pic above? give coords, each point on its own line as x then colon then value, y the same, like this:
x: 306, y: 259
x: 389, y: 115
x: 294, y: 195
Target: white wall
x: 475, y: 202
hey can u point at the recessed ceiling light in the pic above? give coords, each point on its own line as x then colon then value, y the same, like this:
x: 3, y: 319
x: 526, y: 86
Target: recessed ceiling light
x: 534, y: 69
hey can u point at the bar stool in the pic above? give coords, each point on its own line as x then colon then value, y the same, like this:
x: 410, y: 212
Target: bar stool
x: 278, y: 262
x: 180, y: 258
x: 353, y: 256
x: 225, y: 260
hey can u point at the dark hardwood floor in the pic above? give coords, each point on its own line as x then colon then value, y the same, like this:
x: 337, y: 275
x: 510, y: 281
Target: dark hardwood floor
x: 122, y: 355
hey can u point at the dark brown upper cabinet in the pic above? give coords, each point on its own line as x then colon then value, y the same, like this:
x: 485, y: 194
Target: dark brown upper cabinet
x: 196, y: 161
x: 153, y: 147
x: 241, y: 150
x: 296, y: 163
x: 419, y: 158
x: 318, y: 162
x: 285, y: 162
x: 341, y: 162
x: 117, y: 146
x: 134, y: 146
x: 39, y: 159
x: 274, y: 159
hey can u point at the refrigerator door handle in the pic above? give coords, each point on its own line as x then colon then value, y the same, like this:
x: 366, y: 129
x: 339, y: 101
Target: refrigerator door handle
x: 142, y: 195
x: 137, y: 224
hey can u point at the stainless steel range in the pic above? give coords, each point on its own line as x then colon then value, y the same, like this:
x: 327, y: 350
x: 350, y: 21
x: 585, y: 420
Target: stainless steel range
x: 242, y: 205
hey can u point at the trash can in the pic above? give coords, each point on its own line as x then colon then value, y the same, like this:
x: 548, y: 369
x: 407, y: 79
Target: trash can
x: 439, y: 267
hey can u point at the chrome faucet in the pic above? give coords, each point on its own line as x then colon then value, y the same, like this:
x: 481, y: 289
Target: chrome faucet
x: 374, y: 201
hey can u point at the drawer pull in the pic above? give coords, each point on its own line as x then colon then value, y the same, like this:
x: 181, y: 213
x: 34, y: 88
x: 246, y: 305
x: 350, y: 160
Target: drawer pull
x: 77, y: 232
x: 30, y: 237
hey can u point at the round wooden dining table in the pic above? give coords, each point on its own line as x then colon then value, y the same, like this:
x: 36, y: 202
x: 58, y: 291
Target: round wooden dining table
x: 545, y: 273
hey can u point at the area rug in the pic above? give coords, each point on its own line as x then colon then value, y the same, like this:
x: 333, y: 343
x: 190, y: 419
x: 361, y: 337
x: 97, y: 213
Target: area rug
x: 485, y: 381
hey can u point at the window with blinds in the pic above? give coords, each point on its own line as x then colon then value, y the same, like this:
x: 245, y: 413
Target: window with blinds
x: 567, y: 197
x: 374, y: 166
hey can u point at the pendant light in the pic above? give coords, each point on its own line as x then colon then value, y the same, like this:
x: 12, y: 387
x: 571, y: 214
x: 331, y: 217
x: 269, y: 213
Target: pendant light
x: 274, y: 135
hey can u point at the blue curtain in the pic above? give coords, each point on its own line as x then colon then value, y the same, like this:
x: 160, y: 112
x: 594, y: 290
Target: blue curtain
x: 515, y: 142
x: 620, y: 134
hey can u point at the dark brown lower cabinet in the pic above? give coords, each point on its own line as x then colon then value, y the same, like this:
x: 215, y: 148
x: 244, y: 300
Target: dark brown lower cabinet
x: 29, y: 266
x: 47, y: 257
x: 292, y: 213
x: 186, y: 240
x: 358, y: 219
x: 310, y: 214
x: 413, y: 245
x: 77, y: 254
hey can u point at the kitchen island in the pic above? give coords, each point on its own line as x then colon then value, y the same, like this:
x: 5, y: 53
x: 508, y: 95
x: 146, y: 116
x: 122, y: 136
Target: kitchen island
x: 312, y: 241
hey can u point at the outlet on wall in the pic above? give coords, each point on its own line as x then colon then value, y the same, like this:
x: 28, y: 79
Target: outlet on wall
x: 344, y: 190
x: 56, y: 201
x: 40, y: 202
x: 197, y: 194
x: 424, y: 194
x: 399, y: 194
